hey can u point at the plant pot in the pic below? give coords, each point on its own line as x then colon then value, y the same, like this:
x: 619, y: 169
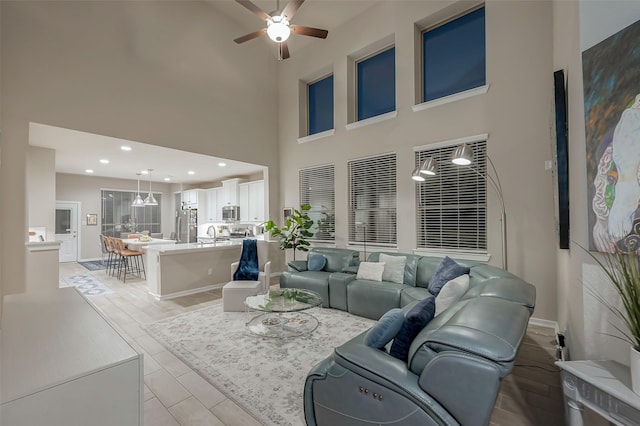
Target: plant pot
x: 634, y: 365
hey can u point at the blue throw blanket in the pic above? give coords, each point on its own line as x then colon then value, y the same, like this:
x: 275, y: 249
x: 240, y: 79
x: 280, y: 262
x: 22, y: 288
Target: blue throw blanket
x: 248, y: 266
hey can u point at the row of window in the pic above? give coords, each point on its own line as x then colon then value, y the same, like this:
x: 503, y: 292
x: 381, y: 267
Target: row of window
x: 453, y: 61
x: 119, y: 216
x: 451, y: 209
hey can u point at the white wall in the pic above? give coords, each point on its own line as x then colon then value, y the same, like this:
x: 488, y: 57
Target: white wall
x: 163, y: 73
x: 516, y: 114
x: 41, y: 189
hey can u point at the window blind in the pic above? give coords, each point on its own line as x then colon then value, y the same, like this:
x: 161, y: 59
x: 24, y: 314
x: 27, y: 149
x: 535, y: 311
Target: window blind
x: 452, y: 205
x: 372, y: 200
x: 118, y: 216
x: 316, y: 185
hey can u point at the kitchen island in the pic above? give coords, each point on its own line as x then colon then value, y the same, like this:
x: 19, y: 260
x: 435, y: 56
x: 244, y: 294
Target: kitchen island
x: 176, y: 270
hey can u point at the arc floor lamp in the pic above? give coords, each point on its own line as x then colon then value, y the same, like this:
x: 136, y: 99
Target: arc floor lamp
x: 462, y: 155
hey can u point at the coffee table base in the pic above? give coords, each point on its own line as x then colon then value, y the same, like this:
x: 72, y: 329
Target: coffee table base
x: 282, y: 324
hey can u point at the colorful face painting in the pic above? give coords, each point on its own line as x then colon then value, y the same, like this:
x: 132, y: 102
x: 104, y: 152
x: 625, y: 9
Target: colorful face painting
x: 611, y: 71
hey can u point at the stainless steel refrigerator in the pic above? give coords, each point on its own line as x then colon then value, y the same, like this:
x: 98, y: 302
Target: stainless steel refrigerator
x: 187, y: 225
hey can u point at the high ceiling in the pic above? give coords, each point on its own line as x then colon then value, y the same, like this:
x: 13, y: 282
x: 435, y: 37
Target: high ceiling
x: 78, y: 151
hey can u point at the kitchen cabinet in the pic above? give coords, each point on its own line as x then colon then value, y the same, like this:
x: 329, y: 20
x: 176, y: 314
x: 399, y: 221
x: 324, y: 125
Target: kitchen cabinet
x: 190, y: 197
x: 212, y: 212
x: 231, y: 188
x: 251, y: 196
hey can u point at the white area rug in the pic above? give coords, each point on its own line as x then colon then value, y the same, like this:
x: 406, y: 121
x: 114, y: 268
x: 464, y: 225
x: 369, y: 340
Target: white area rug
x: 87, y: 284
x: 264, y: 375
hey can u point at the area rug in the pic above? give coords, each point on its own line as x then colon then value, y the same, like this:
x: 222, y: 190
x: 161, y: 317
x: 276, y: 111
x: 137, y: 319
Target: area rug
x: 87, y: 284
x: 94, y: 265
x: 263, y: 375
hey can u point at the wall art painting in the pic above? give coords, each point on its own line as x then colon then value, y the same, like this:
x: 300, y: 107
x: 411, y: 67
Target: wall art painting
x: 611, y: 75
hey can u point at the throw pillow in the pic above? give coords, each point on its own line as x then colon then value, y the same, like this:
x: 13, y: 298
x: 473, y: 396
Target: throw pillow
x: 370, y: 271
x: 451, y: 292
x: 413, y: 323
x: 393, y: 268
x: 385, y: 329
x: 447, y: 270
x: 316, y: 262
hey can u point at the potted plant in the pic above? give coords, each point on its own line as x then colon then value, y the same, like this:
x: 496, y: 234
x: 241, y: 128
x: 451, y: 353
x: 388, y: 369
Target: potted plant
x: 623, y: 271
x: 295, y: 231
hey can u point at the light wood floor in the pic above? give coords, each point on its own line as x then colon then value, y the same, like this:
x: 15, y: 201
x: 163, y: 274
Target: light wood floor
x: 176, y: 395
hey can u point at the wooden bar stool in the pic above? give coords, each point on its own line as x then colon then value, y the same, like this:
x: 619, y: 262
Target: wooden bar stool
x: 125, y: 266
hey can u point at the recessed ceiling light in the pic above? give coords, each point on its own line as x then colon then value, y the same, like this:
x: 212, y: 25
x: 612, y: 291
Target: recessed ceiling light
x: 191, y: 172
x: 167, y: 179
x: 222, y: 164
x: 125, y: 148
x: 104, y: 161
x: 88, y: 171
x: 144, y: 172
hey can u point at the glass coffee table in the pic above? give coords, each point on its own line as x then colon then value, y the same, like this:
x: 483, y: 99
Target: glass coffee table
x: 283, y: 316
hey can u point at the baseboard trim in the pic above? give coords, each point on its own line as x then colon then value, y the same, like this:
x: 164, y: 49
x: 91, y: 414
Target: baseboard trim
x: 186, y: 292
x: 544, y: 323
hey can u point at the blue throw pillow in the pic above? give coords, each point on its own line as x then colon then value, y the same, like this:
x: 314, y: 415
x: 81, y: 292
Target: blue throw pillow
x: 316, y: 262
x: 413, y: 323
x: 385, y: 329
x: 447, y: 270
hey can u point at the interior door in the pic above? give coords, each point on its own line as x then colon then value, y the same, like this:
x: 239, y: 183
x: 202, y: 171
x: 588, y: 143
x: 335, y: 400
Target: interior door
x: 67, y: 231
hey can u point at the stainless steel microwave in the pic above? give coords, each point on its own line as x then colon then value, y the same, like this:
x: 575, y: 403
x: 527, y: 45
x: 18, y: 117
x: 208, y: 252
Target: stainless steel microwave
x: 230, y: 213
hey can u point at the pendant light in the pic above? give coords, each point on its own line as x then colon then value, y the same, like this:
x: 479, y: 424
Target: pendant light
x: 150, y: 200
x: 137, y: 202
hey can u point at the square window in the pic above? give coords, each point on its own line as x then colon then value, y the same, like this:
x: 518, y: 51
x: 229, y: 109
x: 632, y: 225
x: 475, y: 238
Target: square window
x: 454, y: 56
x: 376, y: 84
x: 320, y: 99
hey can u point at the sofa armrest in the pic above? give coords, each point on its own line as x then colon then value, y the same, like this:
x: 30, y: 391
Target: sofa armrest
x: 467, y: 386
x: 297, y: 265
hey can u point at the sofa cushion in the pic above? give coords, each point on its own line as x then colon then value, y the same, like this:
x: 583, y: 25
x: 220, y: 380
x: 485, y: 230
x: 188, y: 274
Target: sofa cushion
x: 337, y: 258
x: 410, y: 267
x: 371, y: 271
x: 413, y: 294
x: 448, y: 270
x: 451, y: 292
x: 393, y: 268
x: 385, y: 329
x: 414, y: 322
x: 371, y: 299
x: 316, y: 262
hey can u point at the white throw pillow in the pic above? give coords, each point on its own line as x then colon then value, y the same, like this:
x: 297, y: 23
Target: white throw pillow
x: 451, y: 292
x: 370, y: 271
x: 393, y: 268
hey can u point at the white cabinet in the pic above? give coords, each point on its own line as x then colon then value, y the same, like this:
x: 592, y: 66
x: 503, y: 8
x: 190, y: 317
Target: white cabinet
x: 213, y: 211
x: 62, y: 363
x: 191, y: 197
x: 252, y: 201
x: 231, y: 188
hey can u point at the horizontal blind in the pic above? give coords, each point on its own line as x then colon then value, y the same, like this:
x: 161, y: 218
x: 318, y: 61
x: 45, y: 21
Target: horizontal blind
x: 452, y: 205
x: 317, y: 188
x: 372, y: 200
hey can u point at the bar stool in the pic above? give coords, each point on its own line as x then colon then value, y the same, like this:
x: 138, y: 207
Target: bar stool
x: 125, y: 254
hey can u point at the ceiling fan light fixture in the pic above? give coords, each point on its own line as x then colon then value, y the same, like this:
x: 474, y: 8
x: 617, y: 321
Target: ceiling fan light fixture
x: 278, y: 29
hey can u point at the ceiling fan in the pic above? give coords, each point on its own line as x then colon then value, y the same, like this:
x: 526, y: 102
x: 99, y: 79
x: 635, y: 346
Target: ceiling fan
x: 279, y: 26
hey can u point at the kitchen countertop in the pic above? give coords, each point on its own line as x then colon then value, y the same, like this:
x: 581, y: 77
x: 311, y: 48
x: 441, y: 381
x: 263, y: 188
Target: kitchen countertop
x: 193, y: 247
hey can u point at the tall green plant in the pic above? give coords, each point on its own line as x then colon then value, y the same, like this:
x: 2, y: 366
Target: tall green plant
x: 295, y: 231
x: 623, y: 270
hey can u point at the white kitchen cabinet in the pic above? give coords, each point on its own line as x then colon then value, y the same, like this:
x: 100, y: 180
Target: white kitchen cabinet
x: 213, y: 211
x: 191, y: 197
x: 252, y: 201
x: 63, y: 363
x: 231, y: 188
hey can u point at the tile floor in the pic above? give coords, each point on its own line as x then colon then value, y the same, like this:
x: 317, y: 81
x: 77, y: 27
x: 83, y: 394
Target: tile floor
x: 176, y: 395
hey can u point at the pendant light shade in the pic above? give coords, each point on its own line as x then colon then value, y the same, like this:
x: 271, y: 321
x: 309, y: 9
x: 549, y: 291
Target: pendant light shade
x: 137, y: 202
x: 150, y: 200
x: 428, y: 167
x: 462, y: 155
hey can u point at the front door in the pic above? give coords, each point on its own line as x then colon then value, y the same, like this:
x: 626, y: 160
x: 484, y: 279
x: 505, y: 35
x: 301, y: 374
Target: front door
x: 67, y: 231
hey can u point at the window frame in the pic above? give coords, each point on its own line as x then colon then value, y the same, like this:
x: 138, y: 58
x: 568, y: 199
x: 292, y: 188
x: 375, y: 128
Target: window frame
x: 306, y: 199
x: 109, y: 228
x: 442, y: 152
x: 308, y: 106
x: 356, y: 84
x: 459, y: 94
x: 379, y: 229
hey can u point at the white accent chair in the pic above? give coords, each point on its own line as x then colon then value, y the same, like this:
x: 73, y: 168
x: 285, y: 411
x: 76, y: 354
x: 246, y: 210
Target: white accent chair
x: 234, y: 293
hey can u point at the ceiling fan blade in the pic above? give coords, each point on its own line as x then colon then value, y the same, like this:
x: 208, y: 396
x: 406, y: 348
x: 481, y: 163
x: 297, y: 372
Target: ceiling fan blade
x: 283, y: 51
x: 291, y: 8
x: 309, y: 31
x: 251, y: 36
x: 255, y: 9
